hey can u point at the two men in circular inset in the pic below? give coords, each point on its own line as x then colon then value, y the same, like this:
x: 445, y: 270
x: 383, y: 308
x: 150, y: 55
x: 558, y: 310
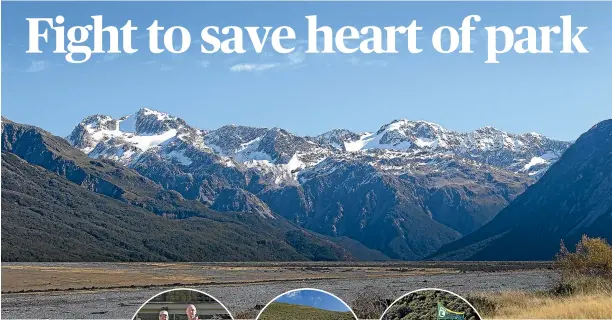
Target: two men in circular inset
x: 191, y: 313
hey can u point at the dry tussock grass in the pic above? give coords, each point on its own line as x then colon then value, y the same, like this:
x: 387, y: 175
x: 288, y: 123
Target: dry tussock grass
x: 584, y: 291
x: 521, y: 305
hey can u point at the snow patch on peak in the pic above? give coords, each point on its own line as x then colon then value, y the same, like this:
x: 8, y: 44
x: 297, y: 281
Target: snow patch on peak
x: 249, y: 151
x: 539, y: 161
x: 179, y: 155
x: 402, y: 124
x: 146, y: 142
x: 295, y: 164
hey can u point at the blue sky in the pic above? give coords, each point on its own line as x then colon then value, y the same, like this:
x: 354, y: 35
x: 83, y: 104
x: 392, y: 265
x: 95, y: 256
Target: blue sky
x: 314, y: 298
x: 558, y: 95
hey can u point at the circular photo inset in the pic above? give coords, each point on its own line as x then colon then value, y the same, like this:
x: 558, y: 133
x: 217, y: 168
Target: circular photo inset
x: 431, y: 304
x: 307, y: 304
x: 182, y: 304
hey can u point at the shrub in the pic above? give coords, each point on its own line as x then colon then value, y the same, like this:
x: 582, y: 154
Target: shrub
x: 587, y: 270
x: 593, y: 257
x: 370, y: 304
x: 563, y: 289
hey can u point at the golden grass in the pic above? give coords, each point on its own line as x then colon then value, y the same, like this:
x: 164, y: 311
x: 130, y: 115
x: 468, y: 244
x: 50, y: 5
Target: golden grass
x: 522, y: 305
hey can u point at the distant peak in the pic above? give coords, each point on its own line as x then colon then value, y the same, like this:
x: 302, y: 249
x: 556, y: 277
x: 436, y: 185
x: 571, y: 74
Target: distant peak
x: 96, y: 118
x: 99, y: 121
x: 160, y: 115
x: 535, y: 134
x: 149, y: 111
x: 401, y: 124
x: 336, y: 132
x: 412, y: 122
x: 488, y: 129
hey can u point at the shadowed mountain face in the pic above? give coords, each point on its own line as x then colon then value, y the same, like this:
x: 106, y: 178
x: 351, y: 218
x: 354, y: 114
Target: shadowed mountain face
x: 405, y: 190
x: 60, y: 205
x: 48, y: 218
x: 573, y: 198
x: 406, y: 216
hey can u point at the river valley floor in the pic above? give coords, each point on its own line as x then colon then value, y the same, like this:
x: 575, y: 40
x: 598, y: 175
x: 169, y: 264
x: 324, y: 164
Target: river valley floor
x: 117, y: 290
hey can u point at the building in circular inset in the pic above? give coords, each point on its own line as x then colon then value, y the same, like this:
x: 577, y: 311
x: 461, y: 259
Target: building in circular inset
x: 182, y: 304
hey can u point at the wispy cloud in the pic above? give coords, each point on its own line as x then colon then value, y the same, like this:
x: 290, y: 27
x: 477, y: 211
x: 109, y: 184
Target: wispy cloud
x: 38, y: 65
x: 293, y: 295
x: 204, y: 63
x: 251, y: 67
x: 295, y: 58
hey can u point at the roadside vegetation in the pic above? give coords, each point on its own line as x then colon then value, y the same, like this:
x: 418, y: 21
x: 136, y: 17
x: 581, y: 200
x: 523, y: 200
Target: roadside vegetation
x: 583, y: 291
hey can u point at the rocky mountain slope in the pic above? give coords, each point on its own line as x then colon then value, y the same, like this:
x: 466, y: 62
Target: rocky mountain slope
x: 574, y: 197
x: 60, y: 205
x: 405, y: 189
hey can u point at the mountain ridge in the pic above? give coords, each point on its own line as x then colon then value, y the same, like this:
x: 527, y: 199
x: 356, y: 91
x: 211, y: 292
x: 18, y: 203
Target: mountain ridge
x: 453, y: 182
x: 50, y: 184
x: 404, y: 190
x: 571, y: 199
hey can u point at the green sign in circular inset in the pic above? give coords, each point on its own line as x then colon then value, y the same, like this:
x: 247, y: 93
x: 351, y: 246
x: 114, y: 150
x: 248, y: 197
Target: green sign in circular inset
x: 431, y: 303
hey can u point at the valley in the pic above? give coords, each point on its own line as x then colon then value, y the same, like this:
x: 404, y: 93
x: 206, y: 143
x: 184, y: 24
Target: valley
x: 412, y: 190
x: 403, y: 190
x: 120, y: 216
x: 251, y: 149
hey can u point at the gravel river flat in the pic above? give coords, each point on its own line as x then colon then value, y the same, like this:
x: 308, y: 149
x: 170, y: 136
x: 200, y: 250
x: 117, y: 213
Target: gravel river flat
x: 116, y: 291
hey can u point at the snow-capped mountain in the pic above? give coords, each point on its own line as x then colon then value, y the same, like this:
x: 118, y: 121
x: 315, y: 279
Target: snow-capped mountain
x: 529, y: 153
x: 127, y: 138
x: 418, y: 183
